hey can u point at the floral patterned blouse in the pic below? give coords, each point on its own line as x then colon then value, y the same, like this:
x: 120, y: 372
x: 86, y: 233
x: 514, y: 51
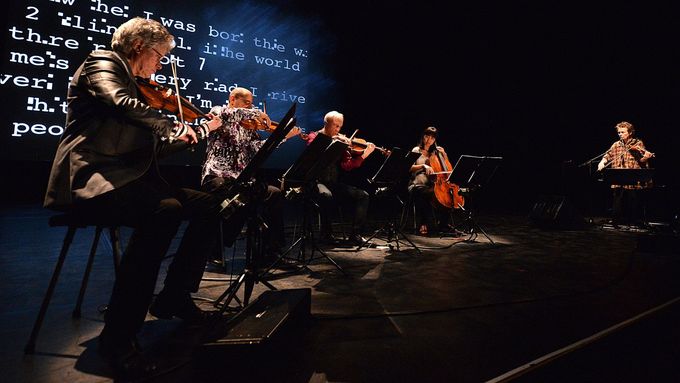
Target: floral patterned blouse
x: 231, y: 147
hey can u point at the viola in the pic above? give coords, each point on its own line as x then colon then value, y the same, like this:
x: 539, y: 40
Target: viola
x: 160, y: 97
x: 446, y: 192
x: 358, y: 145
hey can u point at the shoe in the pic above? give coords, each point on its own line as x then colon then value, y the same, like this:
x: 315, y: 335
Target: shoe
x: 356, y: 240
x: 125, y: 358
x: 180, y: 305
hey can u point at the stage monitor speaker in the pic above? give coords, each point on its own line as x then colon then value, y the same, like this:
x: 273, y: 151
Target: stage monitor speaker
x: 273, y: 312
x: 555, y: 212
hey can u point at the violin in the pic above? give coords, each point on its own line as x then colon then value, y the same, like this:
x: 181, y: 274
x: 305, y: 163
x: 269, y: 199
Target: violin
x: 270, y: 126
x: 160, y: 97
x: 640, y: 150
x: 266, y: 124
x: 358, y: 145
x: 446, y: 192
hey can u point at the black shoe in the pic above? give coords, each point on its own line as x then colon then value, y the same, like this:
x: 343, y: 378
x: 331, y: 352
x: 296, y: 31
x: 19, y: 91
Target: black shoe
x: 125, y: 358
x: 180, y: 305
x: 356, y: 240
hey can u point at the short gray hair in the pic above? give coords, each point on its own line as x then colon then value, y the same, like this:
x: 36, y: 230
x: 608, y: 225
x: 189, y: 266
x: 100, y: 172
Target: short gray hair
x: 333, y: 115
x: 151, y: 32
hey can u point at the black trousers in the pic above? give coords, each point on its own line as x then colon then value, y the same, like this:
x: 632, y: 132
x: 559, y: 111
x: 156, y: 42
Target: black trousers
x: 155, y: 210
x: 427, y: 213
x: 269, y: 201
x: 628, y: 206
x: 339, y: 192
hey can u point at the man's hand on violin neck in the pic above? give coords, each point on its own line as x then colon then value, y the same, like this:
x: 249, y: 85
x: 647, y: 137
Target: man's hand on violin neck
x: 370, y: 147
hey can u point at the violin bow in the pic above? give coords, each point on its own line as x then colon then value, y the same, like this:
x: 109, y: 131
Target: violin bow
x: 173, y: 66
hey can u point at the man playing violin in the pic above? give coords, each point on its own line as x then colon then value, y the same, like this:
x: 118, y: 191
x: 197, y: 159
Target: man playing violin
x: 421, y: 186
x: 106, y: 164
x: 232, y: 147
x: 626, y: 153
x: 329, y: 185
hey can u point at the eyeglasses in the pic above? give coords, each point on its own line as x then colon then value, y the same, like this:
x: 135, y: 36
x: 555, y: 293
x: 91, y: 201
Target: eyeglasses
x: 160, y: 56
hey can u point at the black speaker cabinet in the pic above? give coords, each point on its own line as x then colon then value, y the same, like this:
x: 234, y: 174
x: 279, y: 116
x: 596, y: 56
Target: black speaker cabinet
x: 555, y: 212
x: 271, y: 314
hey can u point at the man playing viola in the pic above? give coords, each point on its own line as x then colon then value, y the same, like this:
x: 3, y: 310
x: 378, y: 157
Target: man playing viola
x: 329, y: 186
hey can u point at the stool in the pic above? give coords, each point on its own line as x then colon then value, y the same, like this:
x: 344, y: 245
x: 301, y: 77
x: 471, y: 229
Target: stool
x: 73, y: 222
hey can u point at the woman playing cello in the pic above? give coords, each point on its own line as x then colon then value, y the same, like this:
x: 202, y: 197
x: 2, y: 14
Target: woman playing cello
x: 429, y: 186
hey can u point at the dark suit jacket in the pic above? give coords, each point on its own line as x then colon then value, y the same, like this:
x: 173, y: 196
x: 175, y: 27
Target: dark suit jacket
x: 111, y: 138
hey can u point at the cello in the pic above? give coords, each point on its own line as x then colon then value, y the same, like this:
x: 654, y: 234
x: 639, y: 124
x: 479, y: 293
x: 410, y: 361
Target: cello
x: 445, y: 191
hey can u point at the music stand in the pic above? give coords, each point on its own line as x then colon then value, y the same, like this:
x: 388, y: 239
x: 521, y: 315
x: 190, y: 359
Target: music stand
x: 321, y: 153
x: 240, y: 194
x: 471, y: 173
x: 639, y: 177
x: 631, y: 177
x: 393, y: 170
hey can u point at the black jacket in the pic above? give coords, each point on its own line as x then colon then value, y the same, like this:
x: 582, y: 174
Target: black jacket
x: 111, y: 137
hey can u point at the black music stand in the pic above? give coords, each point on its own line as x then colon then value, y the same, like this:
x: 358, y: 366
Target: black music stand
x: 394, y: 169
x: 240, y: 194
x: 471, y: 173
x: 631, y: 177
x: 320, y: 154
x: 639, y: 177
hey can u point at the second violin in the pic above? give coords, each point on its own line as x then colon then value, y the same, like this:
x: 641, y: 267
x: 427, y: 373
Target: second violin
x: 358, y: 145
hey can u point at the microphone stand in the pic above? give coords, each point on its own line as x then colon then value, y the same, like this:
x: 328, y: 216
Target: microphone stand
x: 590, y: 161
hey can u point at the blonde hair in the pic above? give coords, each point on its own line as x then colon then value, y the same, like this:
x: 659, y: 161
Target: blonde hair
x: 626, y: 125
x: 151, y: 32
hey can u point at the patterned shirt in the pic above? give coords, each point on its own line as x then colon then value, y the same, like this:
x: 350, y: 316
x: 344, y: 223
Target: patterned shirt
x: 231, y: 147
x: 619, y: 156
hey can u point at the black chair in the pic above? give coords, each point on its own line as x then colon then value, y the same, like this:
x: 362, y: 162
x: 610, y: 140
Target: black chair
x: 74, y: 222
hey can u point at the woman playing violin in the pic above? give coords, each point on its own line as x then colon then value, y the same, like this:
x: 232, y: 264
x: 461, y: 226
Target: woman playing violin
x: 230, y: 149
x: 106, y: 165
x: 421, y: 185
x: 626, y: 153
x: 330, y: 187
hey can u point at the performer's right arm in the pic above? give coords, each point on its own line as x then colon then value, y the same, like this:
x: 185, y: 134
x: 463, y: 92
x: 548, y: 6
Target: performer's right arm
x: 606, y: 158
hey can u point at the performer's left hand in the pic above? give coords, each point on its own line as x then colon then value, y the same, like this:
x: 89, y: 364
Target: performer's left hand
x: 293, y: 132
x: 370, y: 147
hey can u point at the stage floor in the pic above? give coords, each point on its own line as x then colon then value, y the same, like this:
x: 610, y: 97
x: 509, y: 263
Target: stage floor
x: 457, y: 312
